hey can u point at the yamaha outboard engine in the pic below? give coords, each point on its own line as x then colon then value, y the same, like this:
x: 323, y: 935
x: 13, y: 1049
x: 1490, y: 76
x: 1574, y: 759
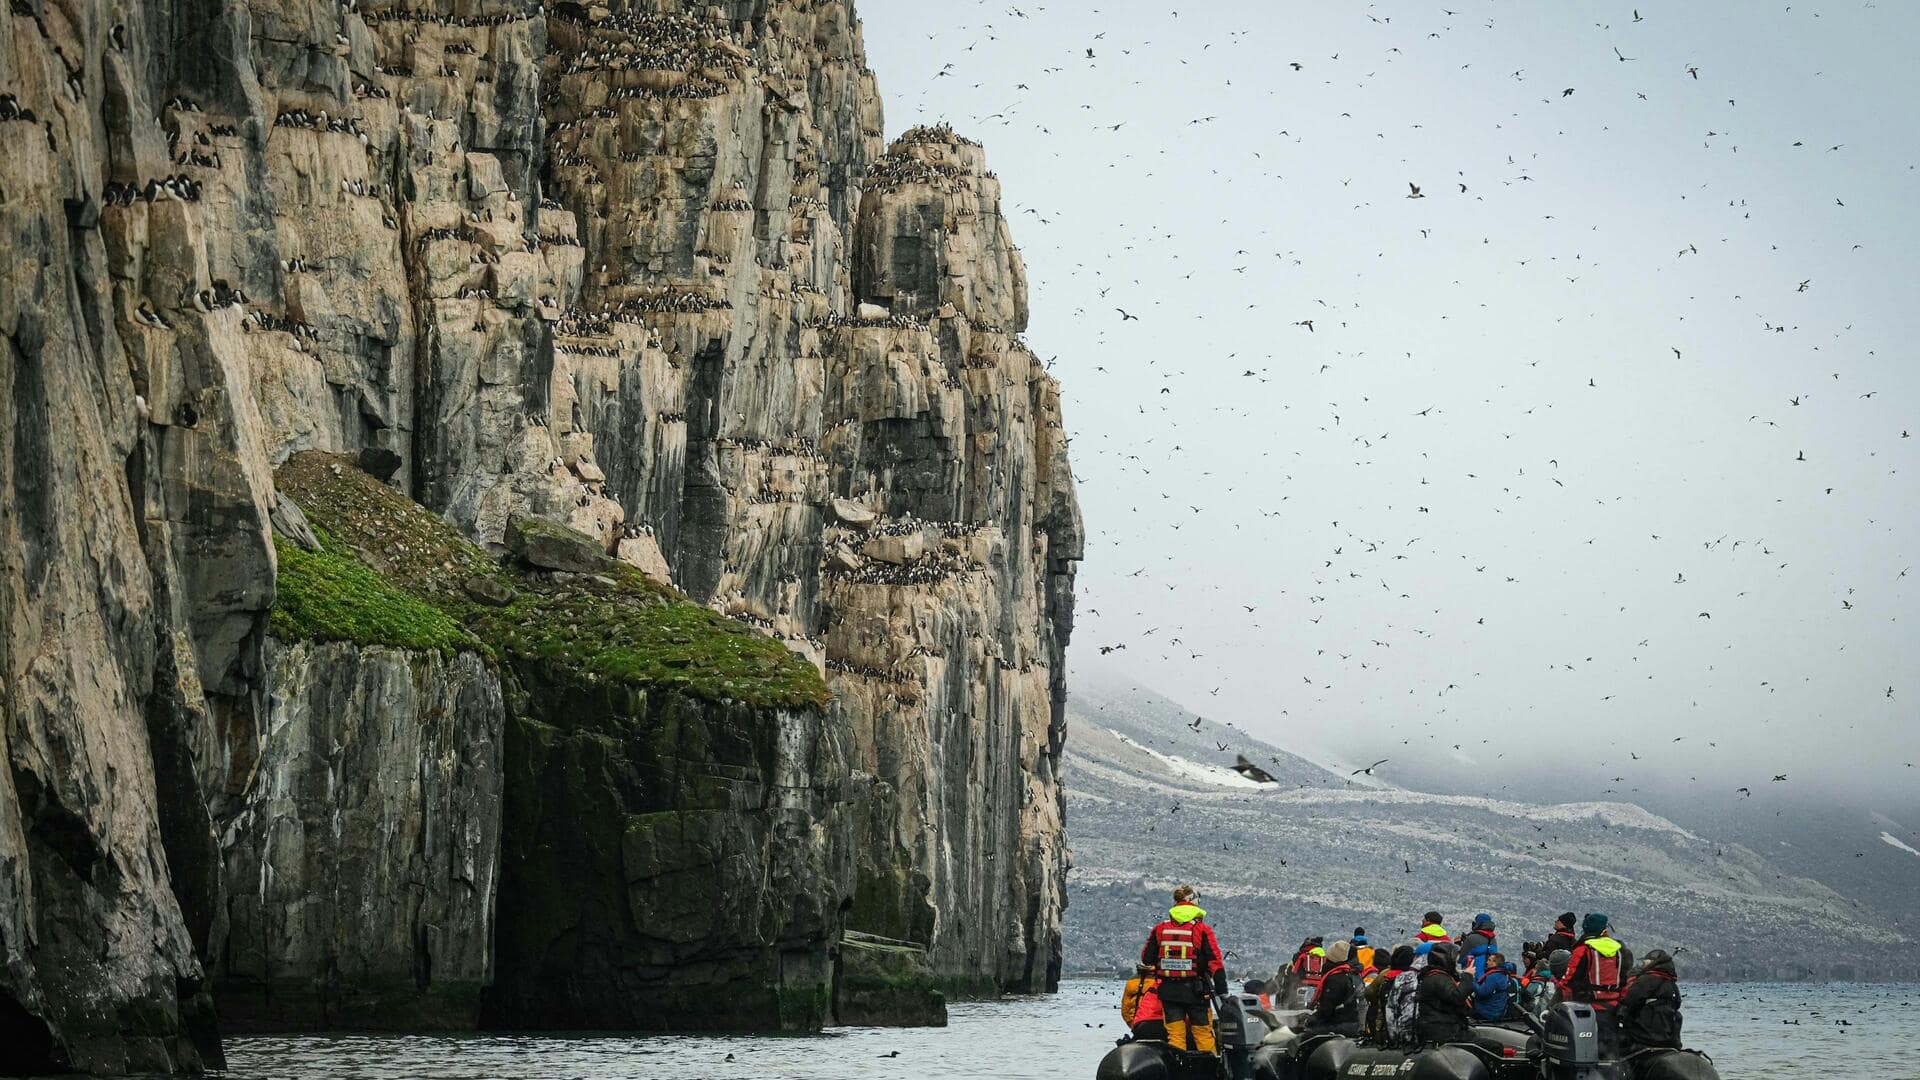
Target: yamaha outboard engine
x: 1571, y: 1043
x: 1238, y: 1033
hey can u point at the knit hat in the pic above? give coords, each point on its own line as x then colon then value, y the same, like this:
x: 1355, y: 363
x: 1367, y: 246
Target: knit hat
x: 1557, y: 962
x: 1339, y: 951
x: 1594, y: 924
x: 1483, y: 921
x: 1359, y: 935
x: 1566, y: 921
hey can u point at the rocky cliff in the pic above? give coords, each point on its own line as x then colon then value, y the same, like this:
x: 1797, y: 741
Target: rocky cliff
x: 323, y: 324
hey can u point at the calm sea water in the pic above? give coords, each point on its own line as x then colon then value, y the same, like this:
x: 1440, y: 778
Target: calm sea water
x: 1754, y: 1032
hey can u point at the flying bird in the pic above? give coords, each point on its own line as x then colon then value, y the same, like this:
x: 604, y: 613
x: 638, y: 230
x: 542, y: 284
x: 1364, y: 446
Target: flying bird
x: 1251, y: 771
x: 1369, y: 769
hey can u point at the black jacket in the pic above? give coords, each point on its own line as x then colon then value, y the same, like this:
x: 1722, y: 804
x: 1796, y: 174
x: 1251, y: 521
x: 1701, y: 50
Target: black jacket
x: 1442, y: 1016
x: 1559, y: 939
x: 1338, y: 1006
x: 1650, y: 1013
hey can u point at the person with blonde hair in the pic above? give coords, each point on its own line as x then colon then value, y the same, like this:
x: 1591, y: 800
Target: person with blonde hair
x: 1185, y: 959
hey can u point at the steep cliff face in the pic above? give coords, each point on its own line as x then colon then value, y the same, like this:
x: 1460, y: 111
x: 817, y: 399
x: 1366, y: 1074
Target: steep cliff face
x: 645, y: 270
x: 361, y: 863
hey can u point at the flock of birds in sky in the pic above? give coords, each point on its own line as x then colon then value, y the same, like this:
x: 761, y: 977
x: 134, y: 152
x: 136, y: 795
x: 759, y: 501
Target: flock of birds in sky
x: 1354, y: 583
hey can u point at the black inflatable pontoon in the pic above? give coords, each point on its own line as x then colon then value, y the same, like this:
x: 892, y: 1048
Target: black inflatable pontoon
x: 1254, y: 1045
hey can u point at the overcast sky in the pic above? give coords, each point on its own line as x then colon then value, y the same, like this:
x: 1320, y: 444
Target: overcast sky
x: 1532, y: 482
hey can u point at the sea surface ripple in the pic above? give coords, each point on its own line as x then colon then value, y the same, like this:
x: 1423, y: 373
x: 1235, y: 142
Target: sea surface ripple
x: 1854, y: 1031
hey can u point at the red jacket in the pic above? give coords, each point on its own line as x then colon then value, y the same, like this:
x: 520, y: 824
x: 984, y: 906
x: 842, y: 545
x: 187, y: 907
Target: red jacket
x: 1183, y: 947
x: 1596, y: 973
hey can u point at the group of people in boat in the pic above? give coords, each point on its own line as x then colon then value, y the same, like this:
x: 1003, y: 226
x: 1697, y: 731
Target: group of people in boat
x: 1423, y: 992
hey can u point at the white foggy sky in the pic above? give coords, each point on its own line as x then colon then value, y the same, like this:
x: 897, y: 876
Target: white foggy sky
x: 1286, y: 200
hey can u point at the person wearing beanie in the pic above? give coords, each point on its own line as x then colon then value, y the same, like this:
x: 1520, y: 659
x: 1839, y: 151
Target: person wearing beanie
x: 1363, y: 958
x: 1336, y: 1009
x: 1597, y: 968
x: 1402, y: 998
x: 1476, y: 946
x: 1186, y: 961
x: 1374, y: 1028
x: 1650, y: 1012
x: 1432, y: 930
x: 1557, y: 961
x: 1441, y: 1002
x: 1541, y: 994
x: 1562, y: 936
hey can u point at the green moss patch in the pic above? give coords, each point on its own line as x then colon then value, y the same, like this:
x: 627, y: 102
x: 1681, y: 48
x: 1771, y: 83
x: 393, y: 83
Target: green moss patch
x: 330, y: 595
x: 615, y: 627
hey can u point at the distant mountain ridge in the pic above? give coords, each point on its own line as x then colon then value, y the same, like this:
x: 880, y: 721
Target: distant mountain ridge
x: 1152, y: 801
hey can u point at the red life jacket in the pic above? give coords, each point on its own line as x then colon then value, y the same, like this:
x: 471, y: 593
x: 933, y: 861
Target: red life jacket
x: 1597, y: 978
x: 1309, y: 967
x: 1175, y: 953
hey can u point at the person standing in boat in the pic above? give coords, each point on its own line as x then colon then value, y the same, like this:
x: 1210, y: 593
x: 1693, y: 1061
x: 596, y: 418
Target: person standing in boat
x: 1432, y: 930
x: 1186, y: 962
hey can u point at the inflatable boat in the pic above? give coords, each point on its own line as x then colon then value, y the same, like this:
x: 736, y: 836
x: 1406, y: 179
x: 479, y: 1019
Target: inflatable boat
x: 1256, y: 1044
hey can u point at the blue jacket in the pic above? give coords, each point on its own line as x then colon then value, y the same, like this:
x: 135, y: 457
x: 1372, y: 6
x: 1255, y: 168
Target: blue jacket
x: 1491, y: 994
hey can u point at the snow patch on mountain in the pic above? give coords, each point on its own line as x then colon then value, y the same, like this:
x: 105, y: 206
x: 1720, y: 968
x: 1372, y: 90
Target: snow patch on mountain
x: 1192, y: 770
x: 1889, y: 838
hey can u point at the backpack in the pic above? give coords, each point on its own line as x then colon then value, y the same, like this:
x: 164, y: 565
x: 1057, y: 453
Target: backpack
x: 1401, y: 1006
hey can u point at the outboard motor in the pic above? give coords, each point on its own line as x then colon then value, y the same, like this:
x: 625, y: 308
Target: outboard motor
x: 1571, y: 1043
x: 1238, y: 1033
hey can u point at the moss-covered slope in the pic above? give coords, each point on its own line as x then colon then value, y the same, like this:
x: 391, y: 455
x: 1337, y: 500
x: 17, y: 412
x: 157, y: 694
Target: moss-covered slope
x: 392, y: 573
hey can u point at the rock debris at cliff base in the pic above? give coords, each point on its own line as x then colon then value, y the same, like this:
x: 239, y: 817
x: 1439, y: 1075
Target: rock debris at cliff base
x: 648, y: 276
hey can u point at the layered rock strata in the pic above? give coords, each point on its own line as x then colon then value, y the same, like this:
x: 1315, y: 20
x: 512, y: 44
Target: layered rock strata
x: 647, y: 272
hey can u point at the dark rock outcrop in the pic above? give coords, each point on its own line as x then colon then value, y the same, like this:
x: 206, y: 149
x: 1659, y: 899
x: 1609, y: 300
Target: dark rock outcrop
x: 361, y: 864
